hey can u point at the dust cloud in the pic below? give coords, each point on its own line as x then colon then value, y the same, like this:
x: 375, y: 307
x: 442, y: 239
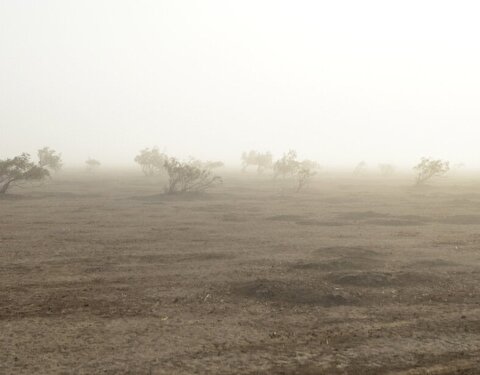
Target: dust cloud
x: 239, y: 187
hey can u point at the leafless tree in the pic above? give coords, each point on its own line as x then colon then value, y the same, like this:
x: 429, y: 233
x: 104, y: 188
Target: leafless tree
x: 287, y: 165
x: 48, y: 158
x: 151, y: 161
x: 304, y: 175
x: 185, y: 177
x: 262, y: 161
x: 92, y: 164
x: 360, y: 168
x: 429, y: 168
x: 310, y: 164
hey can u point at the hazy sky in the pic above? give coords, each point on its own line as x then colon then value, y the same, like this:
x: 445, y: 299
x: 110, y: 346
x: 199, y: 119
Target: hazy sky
x: 340, y: 81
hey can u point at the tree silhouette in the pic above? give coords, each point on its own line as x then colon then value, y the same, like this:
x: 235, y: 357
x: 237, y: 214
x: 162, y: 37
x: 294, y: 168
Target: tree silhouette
x: 20, y: 168
x: 429, y: 168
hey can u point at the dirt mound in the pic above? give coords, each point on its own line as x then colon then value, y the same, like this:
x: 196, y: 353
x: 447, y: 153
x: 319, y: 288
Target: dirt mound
x: 423, y: 278
x: 339, y: 264
x: 384, y: 279
x: 96, y: 297
x: 285, y: 217
x: 291, y: 293
x: 174, y: 257
x: 361, y: 215
x: 395, y: 222
x: 320, y: 223
x: 346, y: 251
x: 365, y: 279
x: 432, y: 263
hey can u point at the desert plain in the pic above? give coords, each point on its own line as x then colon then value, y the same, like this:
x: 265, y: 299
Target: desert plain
x: 105, y: 274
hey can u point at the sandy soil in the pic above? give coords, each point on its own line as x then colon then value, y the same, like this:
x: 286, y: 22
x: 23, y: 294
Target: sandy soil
x: 107, y: 276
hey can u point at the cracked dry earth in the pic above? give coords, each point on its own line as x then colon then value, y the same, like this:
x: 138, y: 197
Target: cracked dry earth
x: 106, y: 276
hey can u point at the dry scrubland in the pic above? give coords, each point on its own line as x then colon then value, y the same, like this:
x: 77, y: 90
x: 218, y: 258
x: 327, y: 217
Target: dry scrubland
x: 106, y: 275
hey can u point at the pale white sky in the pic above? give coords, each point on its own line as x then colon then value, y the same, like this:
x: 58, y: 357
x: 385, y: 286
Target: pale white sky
x: 340, y: 81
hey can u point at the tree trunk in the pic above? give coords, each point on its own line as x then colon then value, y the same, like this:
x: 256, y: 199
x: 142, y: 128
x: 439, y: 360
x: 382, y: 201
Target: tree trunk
x: 5, y: 186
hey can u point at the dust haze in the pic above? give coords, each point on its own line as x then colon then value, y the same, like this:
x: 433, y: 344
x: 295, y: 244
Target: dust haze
x: 339, y: 82
x: 249, y: 187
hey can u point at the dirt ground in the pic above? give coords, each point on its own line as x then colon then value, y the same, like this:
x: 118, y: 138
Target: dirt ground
x: 105, y: 275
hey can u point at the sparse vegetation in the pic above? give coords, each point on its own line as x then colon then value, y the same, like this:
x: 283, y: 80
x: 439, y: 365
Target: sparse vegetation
x: 50, y: 159
x: 360, y: 168
x: 310, y: 164
x: 229, y: 187
x: 151, y: 161
x: 429, y: 168
x: 304, y: 175
x: 287, y: 165
x: 262, y: 161
x: 92, y: 164
x: 20, y: 168
x: 186, y: 177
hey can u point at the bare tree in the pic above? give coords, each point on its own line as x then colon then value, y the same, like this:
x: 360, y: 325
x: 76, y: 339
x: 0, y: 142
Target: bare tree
x: 20, y: 168
x: 287, y: 165
x: 360, y: 168
x: 304, y: 175
x: 48, y: 158
x: 185, y: 177
x: 429, y: 168
x: 310, y: 164
x: 92, y: 164
x: 262, y: 161
x: 151, y: 161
